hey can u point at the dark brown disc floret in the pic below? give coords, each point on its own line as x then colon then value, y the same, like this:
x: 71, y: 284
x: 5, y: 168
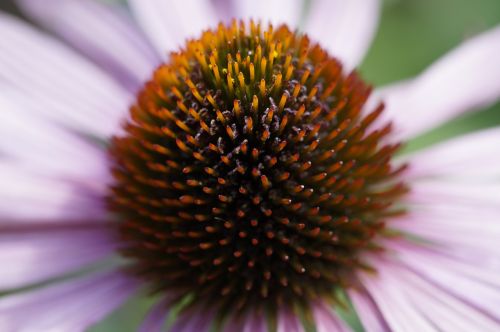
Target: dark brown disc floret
x: 249, y: 175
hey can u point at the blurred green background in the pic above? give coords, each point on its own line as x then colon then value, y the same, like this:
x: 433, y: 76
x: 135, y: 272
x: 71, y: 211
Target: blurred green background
x: 412, y: 34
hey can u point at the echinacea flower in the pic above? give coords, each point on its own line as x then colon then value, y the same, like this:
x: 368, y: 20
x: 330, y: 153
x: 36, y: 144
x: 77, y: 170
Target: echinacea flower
x: 250, y: 179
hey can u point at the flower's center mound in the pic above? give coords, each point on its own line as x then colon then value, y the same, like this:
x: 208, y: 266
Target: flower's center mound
x: 248, y: 177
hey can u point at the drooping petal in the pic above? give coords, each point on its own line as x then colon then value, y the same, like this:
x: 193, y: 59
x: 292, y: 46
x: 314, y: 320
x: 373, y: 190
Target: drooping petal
x: 47, y: 173
x: 473, y: 280
x: 225, y: 10
x: 327, y: 320
x: 35, y: 253
x: 169, y: 23
x: 269, y: 11
x: 253, y: 322
x: 456, y: 193
x: 452, y: 272
x: 72, y: 305
x: 368, y: 312
x: 458, y: 221
x: 465, y: 229
x: 410, y: 300
x: 30, y: 198
x: 467, y: 78
x: 471, y: 156
x: 396, y: 307
x: 68, y: 88
x: 31, y: 142
x: 289, y: 322
x: 103, y: 32
x: 344, y: 28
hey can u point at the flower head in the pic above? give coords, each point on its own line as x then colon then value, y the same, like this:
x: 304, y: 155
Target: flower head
x: 248, y: 173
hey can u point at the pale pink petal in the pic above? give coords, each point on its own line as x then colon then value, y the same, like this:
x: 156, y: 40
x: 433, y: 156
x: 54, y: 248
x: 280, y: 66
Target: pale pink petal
x: 412, y: 301
x: 445, y: 311
x: 475, y: 193
x: 467, y: 78
x: 30, y: 198
x: 169, y: 23
x: 193, y: 320
x: 155, y: 319
x: 471, y: 156
x: 225, y: 9
x: 474, y: 281
x: 252, y: 322
x: 39, y: 69
x: 368, y: 312
x: 59, y: 111
x: 269, y: 11
x: 289, y: 322
x: 326, y: 320
x: 460, y: 224
x: 73, y: 305
x: 32, y: 143
x: 463, y: 226
x: 47, y: 174
x: 397, y: 309
x: 103, y: 32
x: 344, y: 28
x: 34, y: 253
